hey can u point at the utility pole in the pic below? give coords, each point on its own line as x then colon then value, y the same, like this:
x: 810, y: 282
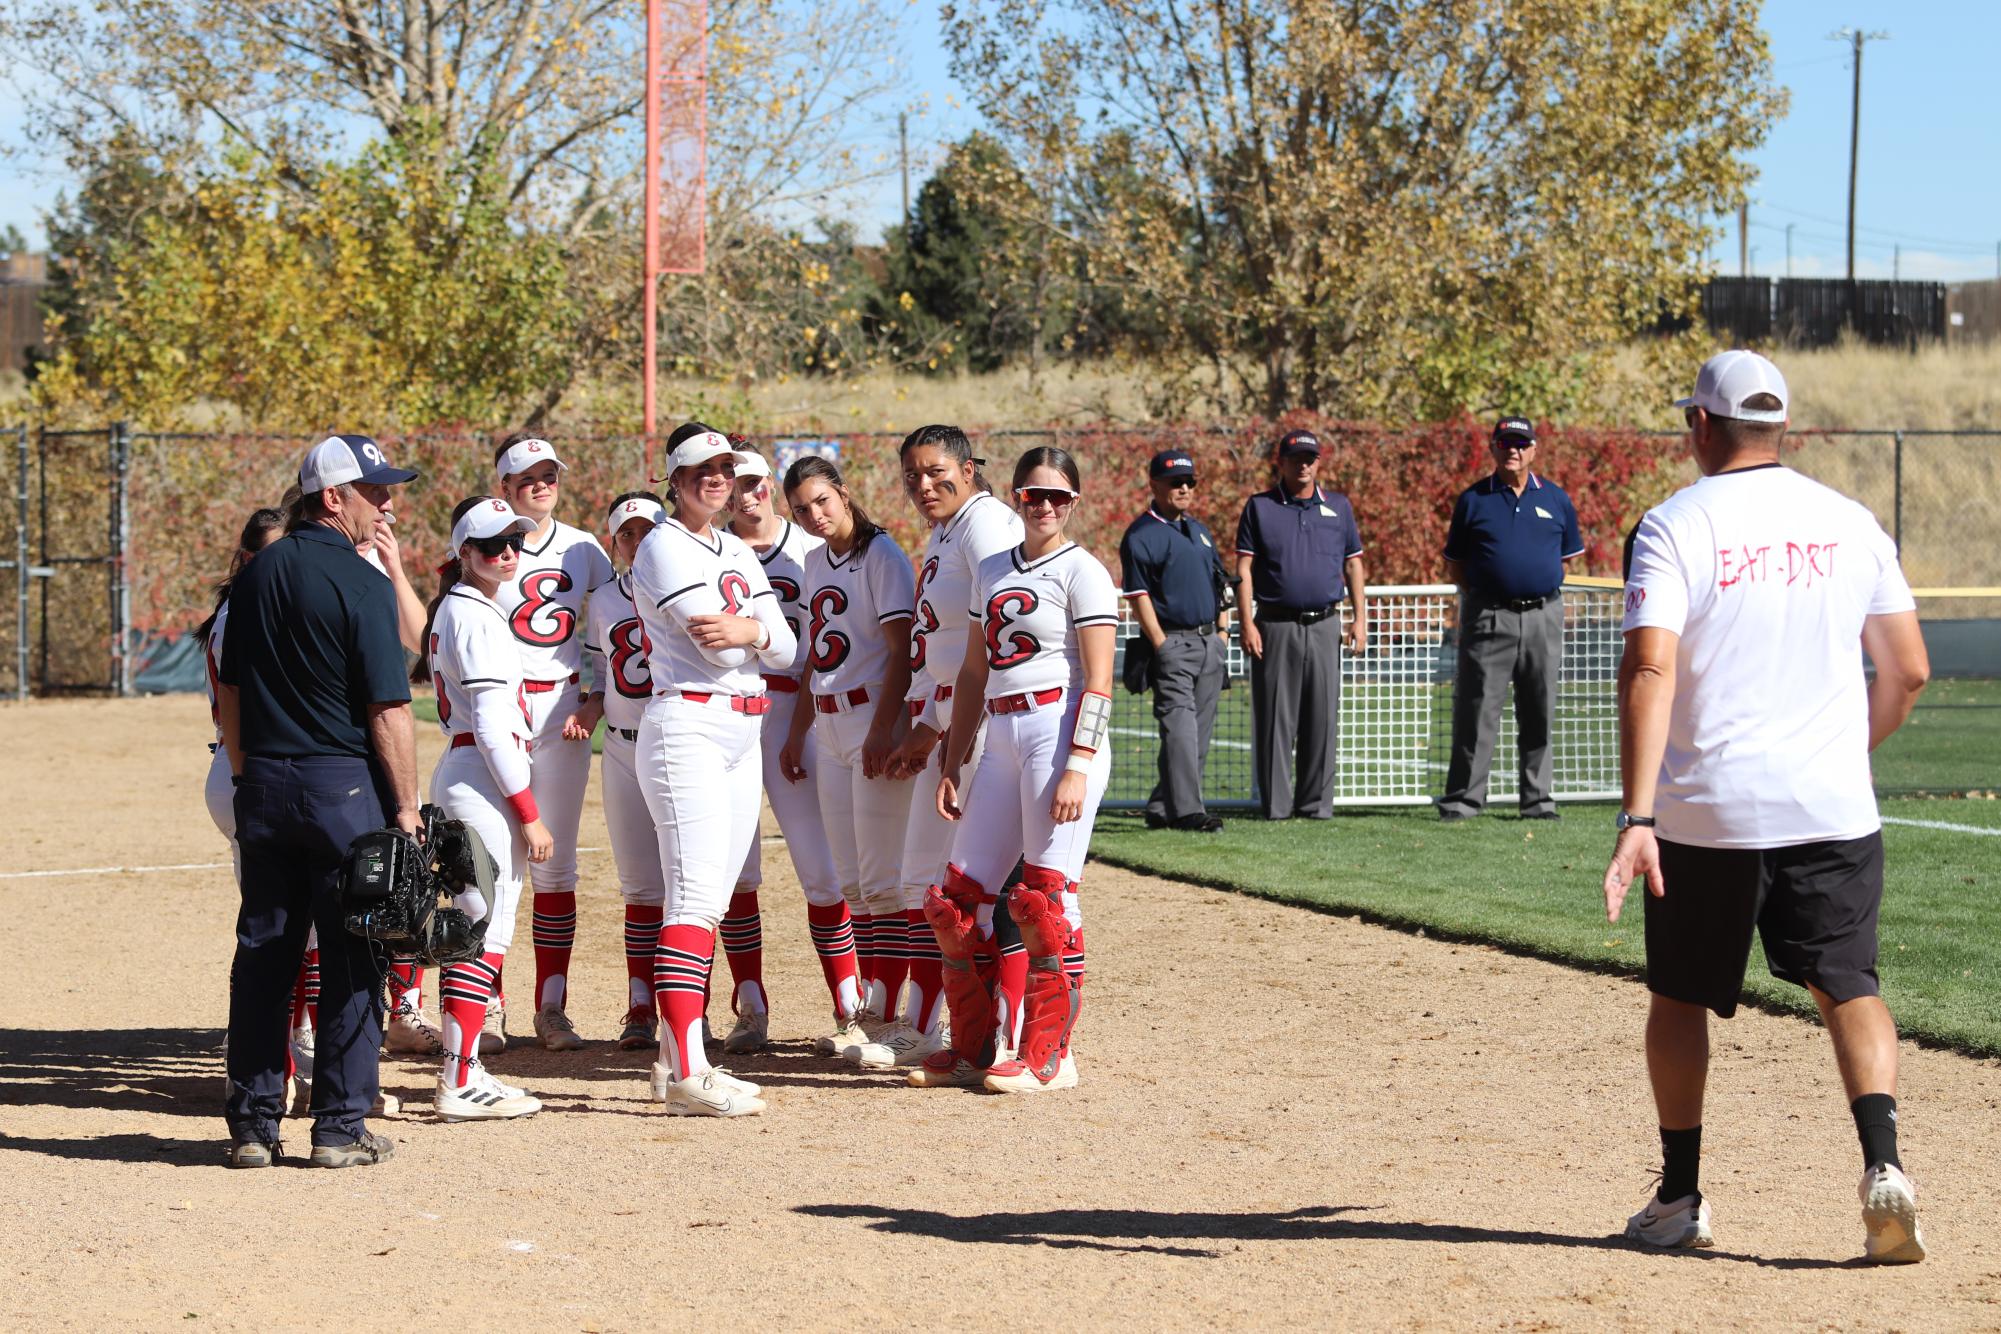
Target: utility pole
x: 1789, y: 249
x: 1896, y: 263
x: 1857, y: 38
x: 1743, y: 239
x: 903, y: 155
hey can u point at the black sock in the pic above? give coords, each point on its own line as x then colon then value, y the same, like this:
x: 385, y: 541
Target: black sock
x: 1681, y: 1160
x: 1876, y: 1123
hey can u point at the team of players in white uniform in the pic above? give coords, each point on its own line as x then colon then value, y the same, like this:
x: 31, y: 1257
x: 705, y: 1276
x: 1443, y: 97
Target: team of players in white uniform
x: 743, y: 655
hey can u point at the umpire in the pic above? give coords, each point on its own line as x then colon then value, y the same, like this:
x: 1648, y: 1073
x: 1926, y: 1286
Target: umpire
x: 316, y: 716
x: 1298, y: 554
x: 1510, y: 538
x: 1174, y: 578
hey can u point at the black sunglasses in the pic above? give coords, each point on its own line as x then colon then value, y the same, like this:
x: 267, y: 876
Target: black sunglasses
x: 1177, y: 483
x: 491, y: 547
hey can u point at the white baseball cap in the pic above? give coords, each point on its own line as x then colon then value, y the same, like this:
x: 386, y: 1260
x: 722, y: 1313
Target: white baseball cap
x: 489, y: 518
x: 1728, y: 378
x: 340, y: 459
x: 525, y: 454
x: 625, y: 511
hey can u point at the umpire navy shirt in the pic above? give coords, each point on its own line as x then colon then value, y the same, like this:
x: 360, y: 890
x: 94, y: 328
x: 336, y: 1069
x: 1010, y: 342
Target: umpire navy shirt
x: 1511, y: 546
x: 312, y: 643
x: 1298, y: 547
x: 1172, y: 561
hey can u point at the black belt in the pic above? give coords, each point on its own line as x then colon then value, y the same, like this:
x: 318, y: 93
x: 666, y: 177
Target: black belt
x: 1206, y: 628
x: 629, y: 733
x: 1522, y: 604
x: 1305, y: 616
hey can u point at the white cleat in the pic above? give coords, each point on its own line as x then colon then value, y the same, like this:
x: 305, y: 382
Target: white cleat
x: 483, y: 1098
x: 664, y: 1081
x: 752, y: 1032
x: 899, y: 1045
x: 847, y: 1033
x: 409, y: 1033
x: 1015, y: 1077
x: 1890, y: 1217
x: 493, y: 1033
x: 711, y: 1093
x: 1682, y: 1224
x: 555, y: 1031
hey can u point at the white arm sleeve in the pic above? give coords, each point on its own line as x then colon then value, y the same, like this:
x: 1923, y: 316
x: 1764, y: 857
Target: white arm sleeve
x: 496, y: 728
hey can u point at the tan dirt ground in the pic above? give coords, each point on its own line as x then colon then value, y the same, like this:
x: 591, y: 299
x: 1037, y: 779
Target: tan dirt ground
x: 1286, y: 1119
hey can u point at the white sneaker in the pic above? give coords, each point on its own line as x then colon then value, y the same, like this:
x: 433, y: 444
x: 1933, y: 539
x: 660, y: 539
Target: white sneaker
x: 1890, y: 1216
x: 1014, y: 1077
x: 711, y: 1093
x: 900, y: 1044
x: 493, y: 1033
x: 1681, y: 1224
x: 302, y: 1050
x: 847, y: 1033
x: 409, y: 1033
x: 556, y: 1031
x: 664, y: 1081
x: 751, y: 1033
x: 483, y: 1098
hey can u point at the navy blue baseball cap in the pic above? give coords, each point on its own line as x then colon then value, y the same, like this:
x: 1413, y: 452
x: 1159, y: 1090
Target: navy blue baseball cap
x: 1514, y: 428
x: 340, y: 459
x: 1176, y: 463
x: 1299, y: 442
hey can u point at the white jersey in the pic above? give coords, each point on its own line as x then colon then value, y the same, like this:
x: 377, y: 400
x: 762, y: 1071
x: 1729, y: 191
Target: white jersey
x: 212, y: 660
x: 784, y: 565
x: 1030, y: 613
x: 849, y: 600
x: 544, y: 602
x: 983, y: 527
x: 619, y: 654
x: 476, y: 672
x: 676, y: 575
x: 1767, y: 577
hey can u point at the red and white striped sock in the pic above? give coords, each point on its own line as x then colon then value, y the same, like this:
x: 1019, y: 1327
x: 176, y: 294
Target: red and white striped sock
x: 642, y: 936
x: 743, y: 948
x: 927, y: 972
x: 892, y: 960
x: 463, y: 989
x: 865, y: 952
x: 555, y: 932
x: 834, y: 941
x: 406, y: 985
x: 681, y: 985
x: 306, y: 995
x: 1009, y: 988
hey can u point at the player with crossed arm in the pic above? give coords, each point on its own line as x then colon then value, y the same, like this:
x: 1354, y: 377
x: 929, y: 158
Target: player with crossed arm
x: 1045, y: 615
x: 711, y: 621
x: 544, y: 603
x: 782, y: 548
x: 859, y: 609
x: 483, y: 779
x: 967, y: 525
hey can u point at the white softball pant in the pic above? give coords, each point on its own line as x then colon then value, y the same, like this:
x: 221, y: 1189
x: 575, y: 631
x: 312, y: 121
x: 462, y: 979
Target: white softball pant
x: 928, y: 836
x: 1007, y: 803
x: 635, y: 846
x: 463, y: 787
x: 797, y: 808
x: 864, y: 817
x: 558, y: 772
x: 701, y: 770
x: 220, y: 794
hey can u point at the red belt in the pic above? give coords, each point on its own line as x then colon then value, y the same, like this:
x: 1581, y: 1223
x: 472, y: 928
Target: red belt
x: 832, y: 703
x: 544, y: 687
x: 751, y: 704
x: 464, y: 739
x: 914, y: 707
x: 1021, y: 703
x: 942, y: 692
x: 784, y: 685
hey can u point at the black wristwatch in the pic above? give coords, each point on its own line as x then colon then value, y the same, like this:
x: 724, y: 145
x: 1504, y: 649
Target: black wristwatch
x: 1627, y: 821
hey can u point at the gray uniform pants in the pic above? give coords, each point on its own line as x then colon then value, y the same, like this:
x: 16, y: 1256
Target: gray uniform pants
x: 1187, y: 679
x: 1497, y: 647
x: 1296, y: 710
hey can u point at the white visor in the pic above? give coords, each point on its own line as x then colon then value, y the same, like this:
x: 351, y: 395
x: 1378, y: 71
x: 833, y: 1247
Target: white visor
x: 697, y: 450
x: 625, y: 511
x: 489, y: 518
x: 525, y: 454
x: 750, y: 463
x: 1728, y: 378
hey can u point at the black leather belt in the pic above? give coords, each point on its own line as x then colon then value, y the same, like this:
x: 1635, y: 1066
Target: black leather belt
x: 1305, y: 616
x: 1206, y: 628
x: 629, y: 733
x: 1523, y: 604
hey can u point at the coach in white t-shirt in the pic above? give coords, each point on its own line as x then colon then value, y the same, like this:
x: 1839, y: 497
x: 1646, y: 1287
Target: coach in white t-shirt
x: 1745, y: 726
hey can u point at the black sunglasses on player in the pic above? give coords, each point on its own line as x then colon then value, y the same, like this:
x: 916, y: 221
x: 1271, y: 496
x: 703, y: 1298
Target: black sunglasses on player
x: 491, y: 547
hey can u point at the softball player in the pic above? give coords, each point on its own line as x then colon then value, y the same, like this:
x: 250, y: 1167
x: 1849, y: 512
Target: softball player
x: 859, y: 608
x: 483, y: 779
x: 544, y: 605
x: 967, y: 525
x: 783, y: 548
x: 710, y: 620
x: 1045, y: 615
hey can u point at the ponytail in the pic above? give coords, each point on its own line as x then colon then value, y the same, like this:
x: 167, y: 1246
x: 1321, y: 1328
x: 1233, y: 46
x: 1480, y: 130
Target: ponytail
x: 449, y: 573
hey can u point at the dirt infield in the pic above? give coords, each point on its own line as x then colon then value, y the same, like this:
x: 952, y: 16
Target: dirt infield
x: 1285, y: 1119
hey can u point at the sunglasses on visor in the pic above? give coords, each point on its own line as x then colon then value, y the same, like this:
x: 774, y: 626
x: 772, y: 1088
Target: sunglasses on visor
x: 491, y: 547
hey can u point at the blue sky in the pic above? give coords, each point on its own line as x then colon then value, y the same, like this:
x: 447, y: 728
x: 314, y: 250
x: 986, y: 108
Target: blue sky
x: 1930, y: 178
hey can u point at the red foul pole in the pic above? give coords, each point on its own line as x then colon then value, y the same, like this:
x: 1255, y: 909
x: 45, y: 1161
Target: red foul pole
x: 650, y: 296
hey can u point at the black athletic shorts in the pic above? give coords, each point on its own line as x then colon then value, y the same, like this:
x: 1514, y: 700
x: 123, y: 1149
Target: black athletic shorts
x: 1813, y: 904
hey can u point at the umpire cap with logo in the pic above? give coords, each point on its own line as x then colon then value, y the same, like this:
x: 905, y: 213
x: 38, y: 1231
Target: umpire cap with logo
x: 1514, y: 428
x: 1175, y: 463
x: 1295, y: 443
x: 341, y: 459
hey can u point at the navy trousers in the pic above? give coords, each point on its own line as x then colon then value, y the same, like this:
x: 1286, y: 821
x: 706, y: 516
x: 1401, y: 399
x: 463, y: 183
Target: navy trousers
x: 294, y: 821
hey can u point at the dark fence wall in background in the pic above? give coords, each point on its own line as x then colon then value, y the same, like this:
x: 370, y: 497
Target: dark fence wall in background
x: 1815, y: 312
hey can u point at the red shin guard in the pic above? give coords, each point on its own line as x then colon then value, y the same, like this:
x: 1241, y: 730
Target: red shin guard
x: 1051, y: 1003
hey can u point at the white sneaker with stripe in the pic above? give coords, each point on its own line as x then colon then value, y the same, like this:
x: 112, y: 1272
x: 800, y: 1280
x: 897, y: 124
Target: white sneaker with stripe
x: 483, y: 1098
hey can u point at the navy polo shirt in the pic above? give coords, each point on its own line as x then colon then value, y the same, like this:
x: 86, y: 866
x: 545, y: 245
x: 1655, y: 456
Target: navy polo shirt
x: 1174, y: 562
x: 312, y: 643
x: 1513, y: 546
x: 1298, y: 547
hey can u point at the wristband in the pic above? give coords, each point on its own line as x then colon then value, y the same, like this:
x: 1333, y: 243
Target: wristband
x: 523, y: 805
x: 1078, y: 764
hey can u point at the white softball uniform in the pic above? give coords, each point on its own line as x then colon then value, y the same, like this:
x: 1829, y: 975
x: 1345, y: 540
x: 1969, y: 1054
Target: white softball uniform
x: 698, y: 755
x: 795, y: 805
x: 1027, y: 615
x: 545, y: 606
x: 983, y: 527
x: 483, y: 776
x: 849, y: 600
x: 617, y: 645
x: 218, y: 791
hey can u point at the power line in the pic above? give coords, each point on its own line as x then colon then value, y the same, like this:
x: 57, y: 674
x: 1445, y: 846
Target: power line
x: 1980, y: 247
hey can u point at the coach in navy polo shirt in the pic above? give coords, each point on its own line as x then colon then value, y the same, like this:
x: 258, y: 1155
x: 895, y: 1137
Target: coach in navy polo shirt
x: 1298, y: 554
x: 1174, y: 578
x: 315, y: 712
x: 1510, y: 537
